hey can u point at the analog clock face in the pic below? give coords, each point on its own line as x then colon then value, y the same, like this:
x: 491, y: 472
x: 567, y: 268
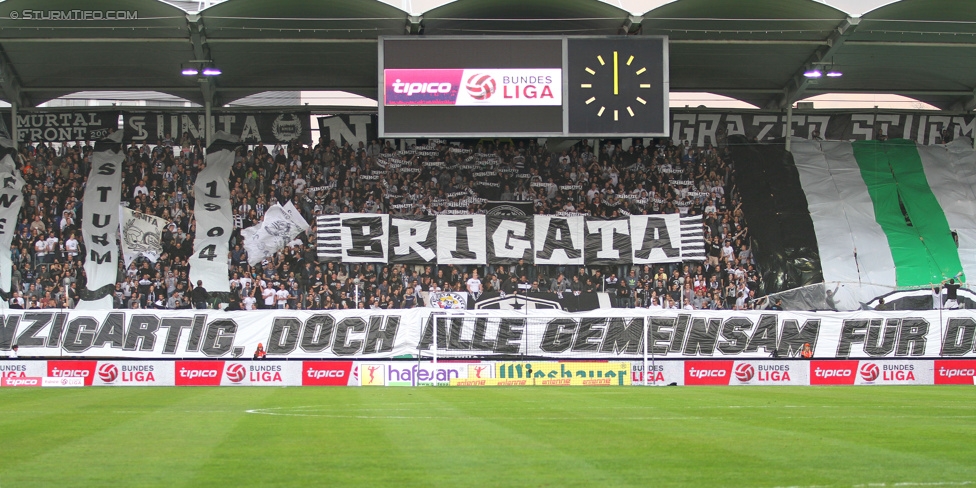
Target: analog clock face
x: 615, y: 86
x: 623, y: 72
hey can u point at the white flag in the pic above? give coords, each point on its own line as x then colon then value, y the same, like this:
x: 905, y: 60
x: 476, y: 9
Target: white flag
x: 214, y: 218
x: 279, y: 227
x: 142, y: 235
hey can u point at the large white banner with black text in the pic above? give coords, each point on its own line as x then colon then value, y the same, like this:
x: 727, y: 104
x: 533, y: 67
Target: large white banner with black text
x: 11, y: 199
x: 100, y: 221
x: 599, y: 334
x: 212, y: 211
x: 537, y: 239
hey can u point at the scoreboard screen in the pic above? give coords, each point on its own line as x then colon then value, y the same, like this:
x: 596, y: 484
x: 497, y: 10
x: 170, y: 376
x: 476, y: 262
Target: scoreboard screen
x: 523, y: 86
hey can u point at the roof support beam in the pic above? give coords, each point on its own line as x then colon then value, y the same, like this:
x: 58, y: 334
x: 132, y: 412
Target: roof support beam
x: 202, y: 51
x: 10, y: 82
x: 632, y: 25
x: 415, y: 25
x: 967, y: 104
x: 798, y: 83
x: 81, y: 40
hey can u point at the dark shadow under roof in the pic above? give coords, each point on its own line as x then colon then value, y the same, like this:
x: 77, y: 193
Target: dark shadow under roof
x: 752, y: 50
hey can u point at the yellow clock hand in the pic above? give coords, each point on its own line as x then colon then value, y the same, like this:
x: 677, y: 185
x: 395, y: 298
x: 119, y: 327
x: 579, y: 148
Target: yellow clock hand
x: 615, y: 73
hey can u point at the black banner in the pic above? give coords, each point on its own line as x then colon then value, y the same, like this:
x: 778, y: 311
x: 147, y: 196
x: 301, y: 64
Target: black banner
x: 508, y: 208
x: 65, y: 125
x: 351, y: 128
x: 251, y: 127
x: 701, y: 127
x: 570, y: 302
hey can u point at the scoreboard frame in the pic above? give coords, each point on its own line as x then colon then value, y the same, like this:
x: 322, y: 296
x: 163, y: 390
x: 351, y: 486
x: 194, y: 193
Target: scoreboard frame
x: 657, y: 68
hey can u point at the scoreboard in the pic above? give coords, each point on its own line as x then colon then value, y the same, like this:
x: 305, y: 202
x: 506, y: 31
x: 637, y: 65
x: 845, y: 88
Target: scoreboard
x: 523, y: 86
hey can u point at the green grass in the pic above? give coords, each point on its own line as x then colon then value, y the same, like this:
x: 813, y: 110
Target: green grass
x: 401, y: 437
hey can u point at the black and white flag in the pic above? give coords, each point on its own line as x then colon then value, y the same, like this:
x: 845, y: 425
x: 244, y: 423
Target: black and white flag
x: 142, y: 235
x: 413, y: 240
x: 212, y: 211
x: 461, y: 239
x: 281, y: 225
x: 328, y: 237
x: 509, y: 239
x: 558, y: 240
x: 365, y: 238
x: 99, y: 225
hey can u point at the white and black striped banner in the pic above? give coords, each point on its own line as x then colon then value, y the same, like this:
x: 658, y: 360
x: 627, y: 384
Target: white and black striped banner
x: 538, y: 239
x: 100, y: 220
x: 208, y: 263
x: 692, y: 239
x: 328, y: 237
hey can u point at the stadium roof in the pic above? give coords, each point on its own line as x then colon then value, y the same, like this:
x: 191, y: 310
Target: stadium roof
x: 752, y: 50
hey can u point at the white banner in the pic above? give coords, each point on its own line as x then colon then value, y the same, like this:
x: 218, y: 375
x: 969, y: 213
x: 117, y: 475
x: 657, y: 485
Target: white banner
x: 11, y: 199
x: 142, y: 235
x: 479, y: 239
x: 212, y: 211
x: 656, y: 238
x: 280, y: 226
x: 365, y: 238
x: 99, y: 226
x: 603, y: 334
x: 558, y: 240
x: 461, y: 239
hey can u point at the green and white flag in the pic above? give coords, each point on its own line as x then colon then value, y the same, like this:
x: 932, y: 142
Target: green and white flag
x: 888, y: 214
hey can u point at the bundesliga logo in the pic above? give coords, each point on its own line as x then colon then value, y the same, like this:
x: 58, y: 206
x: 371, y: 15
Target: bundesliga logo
x: 236, y: 372
x: 870, y: 372
x: 108, y: 372
x: 481, y: 87
x: 744, y: 372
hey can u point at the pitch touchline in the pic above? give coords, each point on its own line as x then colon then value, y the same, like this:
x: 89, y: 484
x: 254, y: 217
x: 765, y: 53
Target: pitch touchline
x: 882, y: 485
x: 305, y: 413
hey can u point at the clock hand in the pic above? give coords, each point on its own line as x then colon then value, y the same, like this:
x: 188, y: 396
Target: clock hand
x: 616, y: 71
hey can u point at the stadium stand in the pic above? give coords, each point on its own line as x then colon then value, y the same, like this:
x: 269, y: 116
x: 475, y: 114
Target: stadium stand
x: 327, y: 179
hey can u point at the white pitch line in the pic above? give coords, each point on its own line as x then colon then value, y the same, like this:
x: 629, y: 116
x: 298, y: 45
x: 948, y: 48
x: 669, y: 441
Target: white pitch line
x: 883, y: 484
x: 330, y: 413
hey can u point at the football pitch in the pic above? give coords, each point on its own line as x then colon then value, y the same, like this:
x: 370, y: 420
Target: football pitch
x: 453, y: 437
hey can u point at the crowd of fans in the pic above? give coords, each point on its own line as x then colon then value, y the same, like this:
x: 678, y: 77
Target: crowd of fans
x: 381, y: 177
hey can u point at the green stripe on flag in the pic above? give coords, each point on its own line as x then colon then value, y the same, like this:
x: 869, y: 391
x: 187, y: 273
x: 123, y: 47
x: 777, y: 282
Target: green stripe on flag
x: 923, y: 250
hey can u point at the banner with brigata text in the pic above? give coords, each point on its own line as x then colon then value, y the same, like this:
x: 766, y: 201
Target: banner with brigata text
x: 475, y: 239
